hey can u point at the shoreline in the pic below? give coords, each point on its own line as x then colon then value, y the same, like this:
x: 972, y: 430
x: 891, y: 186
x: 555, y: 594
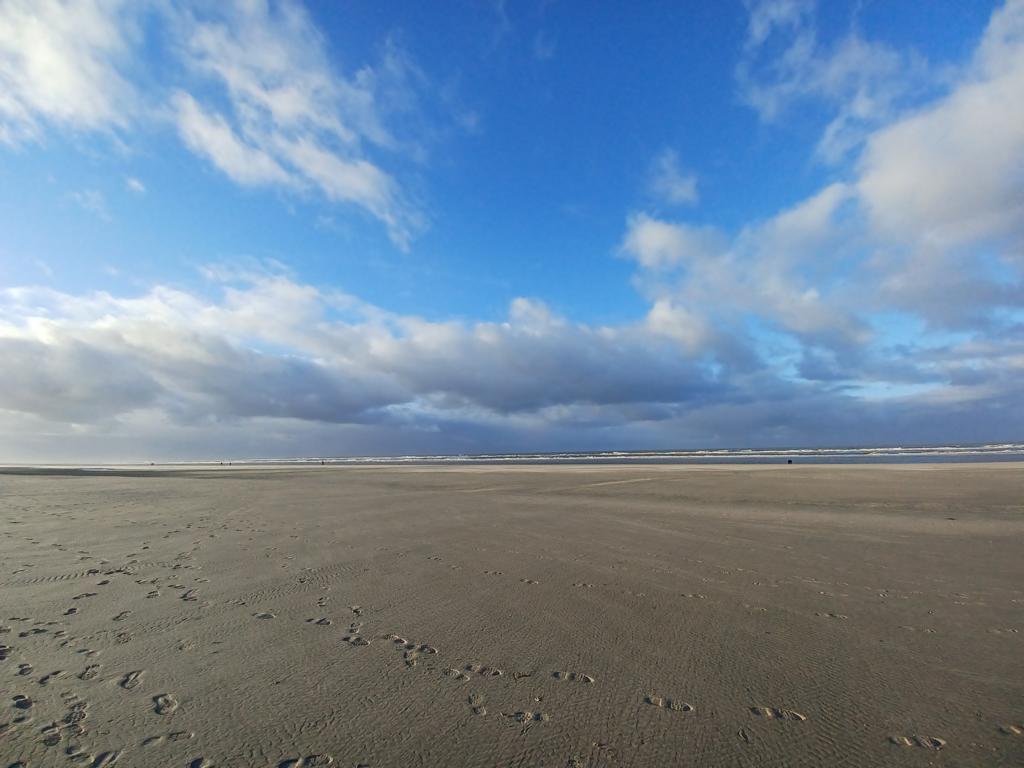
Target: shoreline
x: 244, y: 466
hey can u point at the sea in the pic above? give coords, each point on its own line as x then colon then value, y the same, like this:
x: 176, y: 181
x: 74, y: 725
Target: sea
x: 891, y: 454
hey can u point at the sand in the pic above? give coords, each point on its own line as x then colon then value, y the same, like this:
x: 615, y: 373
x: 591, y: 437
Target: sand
x: 520, y: 616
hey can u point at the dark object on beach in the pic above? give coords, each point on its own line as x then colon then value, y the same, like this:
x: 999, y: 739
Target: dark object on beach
x: 789, y: 461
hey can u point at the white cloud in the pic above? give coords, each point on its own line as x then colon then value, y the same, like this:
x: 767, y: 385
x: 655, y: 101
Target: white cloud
x: 928, y: 220
x: 669, y: 184
x: 93, y: 201
x: 804, y: 231
x: 355, y: 180
x: 292, y: 120
x: 863, y: 81
x: 670, y: 319
x: 953, y: 172
x: 135, y: 185
x: 60, y: 64
x: 250, y: 87
x: 766, y: 16
x: 764, y: 270
x: 656, y: 244
x: 210, y: 135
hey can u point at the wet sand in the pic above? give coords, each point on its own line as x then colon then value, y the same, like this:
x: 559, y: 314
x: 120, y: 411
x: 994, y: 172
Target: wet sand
x: 520, y: 616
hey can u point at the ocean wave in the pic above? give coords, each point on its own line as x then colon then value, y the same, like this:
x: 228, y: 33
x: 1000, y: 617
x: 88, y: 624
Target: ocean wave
x: 993, y: 451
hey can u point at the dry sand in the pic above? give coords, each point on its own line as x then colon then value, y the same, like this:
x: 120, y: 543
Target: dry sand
x: 527, y: 616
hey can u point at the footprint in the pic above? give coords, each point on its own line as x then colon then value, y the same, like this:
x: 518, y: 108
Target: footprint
x: 85, y: 594
x: 122, y: 616
x: 51, y: 735
x: 476, y: 701
x: 310, y: 761
x: 925, y: 742
x: 529, y: 581
x: 694, y: 596
x: 494, y: 573
x: 200, y: 762
x: 322, y: 622
x: 583, y: 585
x: 105, y: 759
x: 575, y: 677
x: 528, y: 719
x: 670, y: 704
x: 832, y: 615
x: 132, y: 679
x: 525, y: 717
x: 411, y: 651
x: 21, y: 701
x: 483, y: 670
x: 774, y: 713
x: 77, y: 710
x: 458, y: 674
x: 165, y: 703
x: 355, y: 640
x: 153, y: 741
x: 264, y: 615
x: 89, y: 672
x: 55, y: 675
x: 25, y: 669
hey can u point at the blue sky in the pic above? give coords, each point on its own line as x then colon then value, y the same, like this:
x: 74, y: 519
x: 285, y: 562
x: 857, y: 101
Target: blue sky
x: 259, y: 229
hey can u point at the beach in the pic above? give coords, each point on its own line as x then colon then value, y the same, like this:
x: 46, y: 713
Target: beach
x: 528, y: 616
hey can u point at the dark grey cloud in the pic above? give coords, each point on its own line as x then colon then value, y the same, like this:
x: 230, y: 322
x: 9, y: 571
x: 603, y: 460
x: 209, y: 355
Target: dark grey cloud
x: 71, y: 381
x: 270, y: 369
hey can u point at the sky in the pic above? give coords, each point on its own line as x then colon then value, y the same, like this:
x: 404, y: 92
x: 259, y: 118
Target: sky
x: 270, y: 229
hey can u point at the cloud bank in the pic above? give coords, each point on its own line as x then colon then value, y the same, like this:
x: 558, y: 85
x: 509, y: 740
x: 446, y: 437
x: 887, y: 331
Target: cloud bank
x: 270, y: 365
